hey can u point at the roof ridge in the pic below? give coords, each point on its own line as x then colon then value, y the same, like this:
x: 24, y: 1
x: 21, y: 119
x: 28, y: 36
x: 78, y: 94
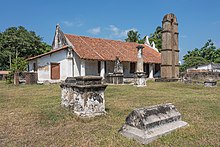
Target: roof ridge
x: 98, y: 38
x: 52, y: 51
x: 91, y: 47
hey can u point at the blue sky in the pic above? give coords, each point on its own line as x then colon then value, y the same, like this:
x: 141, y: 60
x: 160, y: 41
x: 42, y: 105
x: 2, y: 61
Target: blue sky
x: 199, y: 20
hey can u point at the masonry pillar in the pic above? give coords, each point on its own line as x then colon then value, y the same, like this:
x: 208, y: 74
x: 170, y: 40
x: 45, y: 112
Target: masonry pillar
x: 83, y: 70
x: 151, y: 71
x: 102, y: 72
x: 140, y: 74
x: 170, y: 51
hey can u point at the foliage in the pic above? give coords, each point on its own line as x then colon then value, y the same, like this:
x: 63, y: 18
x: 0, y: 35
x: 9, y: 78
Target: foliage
x: 193, y: 62
x: 19, y: 42
x: 134, y: 36
x: 207, y: 54
x: 19, y: 64
x: 157, y: 38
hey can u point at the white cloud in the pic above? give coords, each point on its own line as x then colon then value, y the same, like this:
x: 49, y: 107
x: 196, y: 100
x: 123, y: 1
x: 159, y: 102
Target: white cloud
x: 68, y: 23
x: 117, y: 32
x: 75, y: 23
x: 216, y: 22
x: 95, y: 31
x: 183, y: 36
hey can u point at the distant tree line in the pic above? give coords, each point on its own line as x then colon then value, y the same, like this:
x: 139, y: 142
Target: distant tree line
x: 206, y: 54
x: 17, y: 44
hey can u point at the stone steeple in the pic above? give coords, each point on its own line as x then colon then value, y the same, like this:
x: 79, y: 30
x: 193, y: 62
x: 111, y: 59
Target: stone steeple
x: 59, y: 38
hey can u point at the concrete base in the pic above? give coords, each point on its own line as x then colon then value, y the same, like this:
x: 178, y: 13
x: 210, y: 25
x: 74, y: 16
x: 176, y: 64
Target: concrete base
x: 150, y: 135
x: 166, y: 80
x: 140, y: 79
x: 115, y: 78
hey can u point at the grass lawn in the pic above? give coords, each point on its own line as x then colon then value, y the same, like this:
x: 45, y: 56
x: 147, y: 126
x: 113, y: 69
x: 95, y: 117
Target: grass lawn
x: 31, y: 115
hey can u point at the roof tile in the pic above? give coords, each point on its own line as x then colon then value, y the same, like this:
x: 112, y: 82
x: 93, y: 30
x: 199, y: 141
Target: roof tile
x: 103, y: 49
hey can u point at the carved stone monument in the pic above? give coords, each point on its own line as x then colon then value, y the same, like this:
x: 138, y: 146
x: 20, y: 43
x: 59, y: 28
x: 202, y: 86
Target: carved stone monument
x: 169, y: 51
x: 140, y: 79
x: 147, y: 124
x: 84, y: 95
x: 117, y: 76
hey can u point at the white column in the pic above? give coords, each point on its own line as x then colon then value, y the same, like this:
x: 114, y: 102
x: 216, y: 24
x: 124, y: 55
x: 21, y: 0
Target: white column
x: 70, y: 68
x: 83, y: 71
x: 102, y: 72
x: 151, y: 71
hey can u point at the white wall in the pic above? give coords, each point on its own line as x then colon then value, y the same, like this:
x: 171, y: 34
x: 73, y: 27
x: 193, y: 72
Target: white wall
x: 44, y: 67
x: 77, y: 65
x: 30, y: 64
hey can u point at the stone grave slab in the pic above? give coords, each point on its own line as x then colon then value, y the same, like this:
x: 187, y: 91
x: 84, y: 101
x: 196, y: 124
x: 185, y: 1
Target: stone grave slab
x: 147, y: 124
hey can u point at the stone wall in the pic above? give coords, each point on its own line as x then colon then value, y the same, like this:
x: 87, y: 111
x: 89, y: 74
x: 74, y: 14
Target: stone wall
x: 200, y: 76
x: 31, y: 78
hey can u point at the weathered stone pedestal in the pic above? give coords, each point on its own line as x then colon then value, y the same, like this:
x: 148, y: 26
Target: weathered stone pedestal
x: 210, y: 83
x: 115, y: 78
x: 167, y: 80
x: 147, y: 124
x: 140, y: 79
x: 84, y: 95
x: 31, y: 78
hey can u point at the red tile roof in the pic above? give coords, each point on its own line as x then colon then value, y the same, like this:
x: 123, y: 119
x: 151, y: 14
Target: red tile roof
x: 103, y: 49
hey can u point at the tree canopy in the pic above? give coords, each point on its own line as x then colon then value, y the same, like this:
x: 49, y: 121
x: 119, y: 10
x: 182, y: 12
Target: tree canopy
x: 134, y: 36
x: 18, y: 42
x: 207, y: 54
x: 157, y: 38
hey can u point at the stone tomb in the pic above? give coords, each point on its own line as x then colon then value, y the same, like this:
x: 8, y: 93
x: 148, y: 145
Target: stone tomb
x: 117, y: 76
x: 84, y: 95
x: 147, y: 124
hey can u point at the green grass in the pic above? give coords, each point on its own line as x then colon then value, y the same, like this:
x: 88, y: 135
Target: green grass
x: 31, y: 115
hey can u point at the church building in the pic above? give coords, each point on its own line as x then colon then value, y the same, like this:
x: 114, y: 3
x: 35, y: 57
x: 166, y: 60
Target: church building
x: 73, y: 55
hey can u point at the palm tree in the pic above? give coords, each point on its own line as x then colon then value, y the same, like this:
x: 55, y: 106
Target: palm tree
x: 133, y: 36
x: 157, y: 38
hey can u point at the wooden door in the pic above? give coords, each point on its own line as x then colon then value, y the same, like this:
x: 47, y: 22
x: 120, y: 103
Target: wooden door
x: 55, y: 71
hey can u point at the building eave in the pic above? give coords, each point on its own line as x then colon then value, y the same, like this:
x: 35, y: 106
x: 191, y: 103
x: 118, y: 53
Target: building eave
x: 48, y: 53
